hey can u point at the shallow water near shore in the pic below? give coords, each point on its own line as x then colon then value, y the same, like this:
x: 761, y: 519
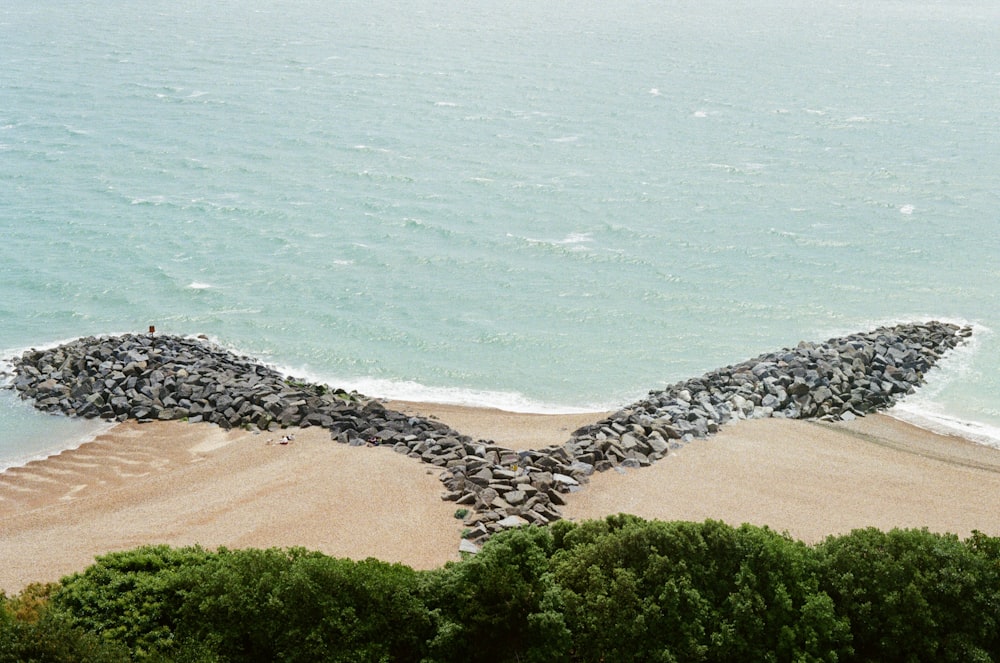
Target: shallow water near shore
x: 550, y: 207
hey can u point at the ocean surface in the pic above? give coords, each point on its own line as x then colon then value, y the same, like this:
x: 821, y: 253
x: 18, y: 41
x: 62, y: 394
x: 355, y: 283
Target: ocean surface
x: 541, y: 206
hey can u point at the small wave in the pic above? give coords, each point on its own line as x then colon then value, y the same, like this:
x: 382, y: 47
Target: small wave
x: 806, y: 240
x: 906, y: 209
x: 406, y: 390
x: 446, y: 104
x: 95, y: 428
x: 152, y: 200
x: 942, y: 424
x: 568, y: 240
x: 236, y: 311
x: 369, y: 148
x: 923, y: 408
x: 699, y: 113
x: 565, y: 139
x: 958, y: 363
x: 654, y: 91
x: 409, y: 390
x: 575, y: 238
x: 197, y: 285
x: 8, y: 355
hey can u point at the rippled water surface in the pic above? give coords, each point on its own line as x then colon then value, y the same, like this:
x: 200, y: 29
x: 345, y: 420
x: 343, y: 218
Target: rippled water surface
x: 541, y: 206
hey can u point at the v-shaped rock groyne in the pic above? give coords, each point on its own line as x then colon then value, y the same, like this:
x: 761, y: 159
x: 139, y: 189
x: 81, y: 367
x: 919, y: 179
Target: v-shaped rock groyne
x: 148, y: 378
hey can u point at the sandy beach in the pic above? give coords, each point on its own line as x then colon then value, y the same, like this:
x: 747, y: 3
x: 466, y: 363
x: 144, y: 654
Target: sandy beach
x: 184, y: 484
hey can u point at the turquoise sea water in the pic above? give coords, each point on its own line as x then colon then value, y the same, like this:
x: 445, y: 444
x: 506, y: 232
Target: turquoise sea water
x: 537, y: 205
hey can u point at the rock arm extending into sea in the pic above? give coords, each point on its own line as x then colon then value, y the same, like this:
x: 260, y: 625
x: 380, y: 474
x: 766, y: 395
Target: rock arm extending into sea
x: 147, y: 378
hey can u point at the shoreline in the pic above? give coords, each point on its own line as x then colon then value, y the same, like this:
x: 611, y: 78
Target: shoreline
x: 185, y: 484
x: 493, y: 423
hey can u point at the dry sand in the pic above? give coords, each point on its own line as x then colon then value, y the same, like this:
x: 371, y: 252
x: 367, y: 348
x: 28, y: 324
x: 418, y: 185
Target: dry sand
x: 183, y: 484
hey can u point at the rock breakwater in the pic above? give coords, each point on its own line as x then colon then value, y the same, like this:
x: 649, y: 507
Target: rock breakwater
x: 149, y: 378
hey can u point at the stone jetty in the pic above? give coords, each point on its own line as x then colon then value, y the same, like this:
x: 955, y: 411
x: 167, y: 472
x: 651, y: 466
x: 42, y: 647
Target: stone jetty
x: 162, y: 377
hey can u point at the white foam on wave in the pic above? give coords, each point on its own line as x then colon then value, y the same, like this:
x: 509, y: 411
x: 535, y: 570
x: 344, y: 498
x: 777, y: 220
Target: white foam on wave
x: 8, y: 355
x: 936, y: 422
x: 409, y: 390
x: 924, y: 409
x: 569, y: 240
x: 15, y: 453
x: 906, y: 209
x: 405, y: 390
x: 808, y: 240
x: 575, y: 238
x: 198, y: 285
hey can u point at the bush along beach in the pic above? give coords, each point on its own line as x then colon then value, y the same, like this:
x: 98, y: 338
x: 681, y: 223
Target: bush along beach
x: 145, y: 378
x: 616, y: 590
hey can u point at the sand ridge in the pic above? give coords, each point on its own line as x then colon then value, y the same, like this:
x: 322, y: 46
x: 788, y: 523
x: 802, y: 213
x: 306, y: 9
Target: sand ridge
x: 183, y: 484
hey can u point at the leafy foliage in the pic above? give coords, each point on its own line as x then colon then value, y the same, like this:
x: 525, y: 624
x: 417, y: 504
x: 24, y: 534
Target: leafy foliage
x: 132, y: 597
x: 268, y: 605
x: 620, y: 589
x: 912, y: 595
x: 687, y: 592
x: 500, y: 605
x: 31, y: 632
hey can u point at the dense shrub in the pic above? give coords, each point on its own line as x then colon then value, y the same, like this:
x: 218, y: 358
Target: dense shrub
x: 132, y: 597
x: 912, y: 595
x: 500, y: 605
x: 621, y: 589
x: 275, y: 605
x: 31, y: 632
x: 654, y: 591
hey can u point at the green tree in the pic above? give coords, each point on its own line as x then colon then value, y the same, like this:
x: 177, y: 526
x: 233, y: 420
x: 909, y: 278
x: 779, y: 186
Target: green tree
x: 131, y: 597
x: 655, y: 591
x: 294, y: 605
x: 912, y: 595
x: 31, y: 632
x: 500, y: 605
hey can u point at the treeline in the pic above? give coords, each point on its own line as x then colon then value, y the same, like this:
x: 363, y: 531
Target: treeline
x: 621, y: 589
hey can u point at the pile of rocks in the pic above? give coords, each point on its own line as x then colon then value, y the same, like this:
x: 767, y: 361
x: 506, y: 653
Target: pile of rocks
x: 166, y: 378
x: 150, y: 378
x: 843, y: 378
x: 147, y: 378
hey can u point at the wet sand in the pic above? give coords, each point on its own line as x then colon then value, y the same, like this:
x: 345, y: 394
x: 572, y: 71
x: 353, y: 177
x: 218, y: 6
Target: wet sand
x: 183, y: 484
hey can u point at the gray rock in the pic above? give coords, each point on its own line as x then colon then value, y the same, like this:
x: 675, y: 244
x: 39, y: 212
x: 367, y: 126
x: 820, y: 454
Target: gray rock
x: 139, y: 377
x: 512, y: 521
